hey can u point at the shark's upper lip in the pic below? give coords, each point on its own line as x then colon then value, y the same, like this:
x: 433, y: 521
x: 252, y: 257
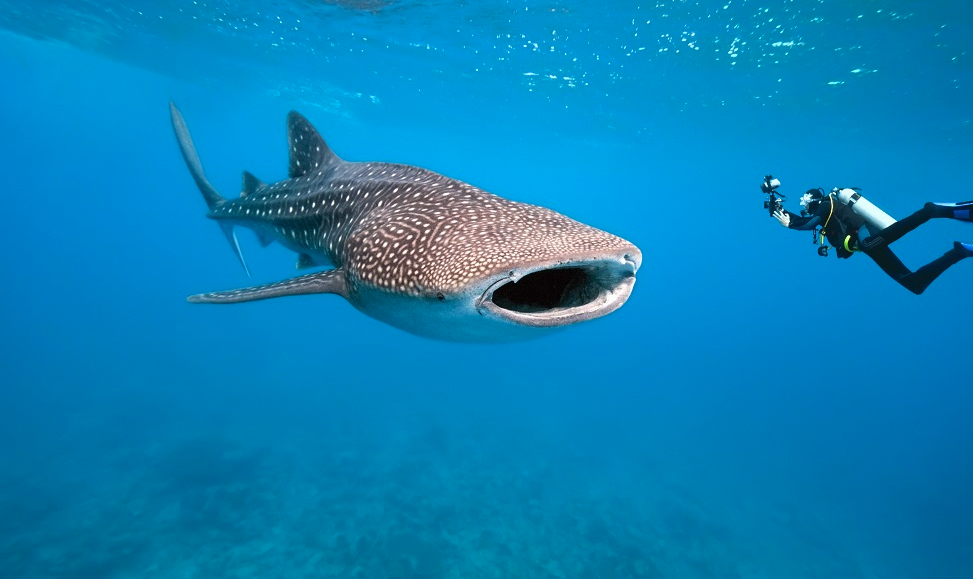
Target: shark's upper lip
x: 563, y: 292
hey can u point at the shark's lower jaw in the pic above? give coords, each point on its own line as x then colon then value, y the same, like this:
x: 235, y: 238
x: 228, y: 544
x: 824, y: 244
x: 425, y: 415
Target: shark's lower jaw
x: 561, y: 293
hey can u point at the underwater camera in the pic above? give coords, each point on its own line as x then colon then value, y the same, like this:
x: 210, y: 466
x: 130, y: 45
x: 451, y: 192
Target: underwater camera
x: 769, y: 186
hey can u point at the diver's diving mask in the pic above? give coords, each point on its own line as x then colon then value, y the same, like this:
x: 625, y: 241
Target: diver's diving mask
x: 810, y: 201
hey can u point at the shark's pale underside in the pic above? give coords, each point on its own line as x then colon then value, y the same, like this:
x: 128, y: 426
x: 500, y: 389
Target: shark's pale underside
x: 420, y: 251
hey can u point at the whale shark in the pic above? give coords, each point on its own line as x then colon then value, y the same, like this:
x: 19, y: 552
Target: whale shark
x: 420, y: 251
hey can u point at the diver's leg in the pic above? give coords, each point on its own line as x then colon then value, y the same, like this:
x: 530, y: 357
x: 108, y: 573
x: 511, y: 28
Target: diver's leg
x: 961, y: 211
x: 919, y: 280
x: 895, y: 231
x: 922, y: 277
x: 888, y: 261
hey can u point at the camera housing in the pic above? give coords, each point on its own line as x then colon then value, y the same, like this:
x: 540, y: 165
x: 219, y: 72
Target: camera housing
x: 770, y: 184
x: 769, y: 187
x: 772, y: 205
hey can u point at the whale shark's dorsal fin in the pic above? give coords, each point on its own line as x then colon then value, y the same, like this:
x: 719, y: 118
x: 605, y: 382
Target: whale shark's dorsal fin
x: 250, y: 184
x: 308, y: 151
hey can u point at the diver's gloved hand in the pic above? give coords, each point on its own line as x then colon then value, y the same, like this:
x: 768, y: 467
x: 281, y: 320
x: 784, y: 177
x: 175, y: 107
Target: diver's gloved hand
x: 784, y: 218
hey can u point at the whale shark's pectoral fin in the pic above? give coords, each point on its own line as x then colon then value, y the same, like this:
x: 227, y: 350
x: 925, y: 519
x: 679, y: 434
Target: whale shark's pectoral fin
x: 322, y: 282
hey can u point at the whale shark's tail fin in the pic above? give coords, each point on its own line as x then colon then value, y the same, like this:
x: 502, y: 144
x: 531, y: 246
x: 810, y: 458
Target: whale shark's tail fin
x: 212, y: 197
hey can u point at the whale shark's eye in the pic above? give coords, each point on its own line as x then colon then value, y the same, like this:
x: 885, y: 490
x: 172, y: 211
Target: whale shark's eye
x: 549, y: 289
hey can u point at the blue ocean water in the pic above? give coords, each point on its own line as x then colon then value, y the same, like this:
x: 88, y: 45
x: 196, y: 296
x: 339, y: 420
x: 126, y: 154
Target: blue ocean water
x: 753, y: 411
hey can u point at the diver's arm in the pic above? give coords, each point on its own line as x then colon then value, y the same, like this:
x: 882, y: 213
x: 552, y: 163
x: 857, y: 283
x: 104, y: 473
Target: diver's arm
x: 795, y: 221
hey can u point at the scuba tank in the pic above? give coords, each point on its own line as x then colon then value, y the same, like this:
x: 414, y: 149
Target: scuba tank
x: 875, y: 219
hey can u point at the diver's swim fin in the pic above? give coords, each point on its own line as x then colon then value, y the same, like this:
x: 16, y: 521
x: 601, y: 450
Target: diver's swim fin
x: 962, y: 211
x: 966, y: 248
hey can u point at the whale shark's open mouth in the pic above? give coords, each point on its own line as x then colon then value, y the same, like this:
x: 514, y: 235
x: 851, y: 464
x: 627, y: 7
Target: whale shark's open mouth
x: 561, y: 294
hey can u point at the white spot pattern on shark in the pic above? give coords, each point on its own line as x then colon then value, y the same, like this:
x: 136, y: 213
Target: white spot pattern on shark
x: 426, y: 253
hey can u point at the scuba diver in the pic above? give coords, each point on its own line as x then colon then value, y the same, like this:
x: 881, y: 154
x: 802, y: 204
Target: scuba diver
x: 839, y: 217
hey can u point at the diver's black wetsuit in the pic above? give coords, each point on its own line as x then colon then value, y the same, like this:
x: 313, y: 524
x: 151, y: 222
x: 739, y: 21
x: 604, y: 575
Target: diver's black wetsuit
x: 841, y: 224
x: 838, y: 222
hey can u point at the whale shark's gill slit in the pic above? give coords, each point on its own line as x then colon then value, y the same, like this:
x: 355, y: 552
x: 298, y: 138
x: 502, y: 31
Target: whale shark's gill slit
x: 550, y: 289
